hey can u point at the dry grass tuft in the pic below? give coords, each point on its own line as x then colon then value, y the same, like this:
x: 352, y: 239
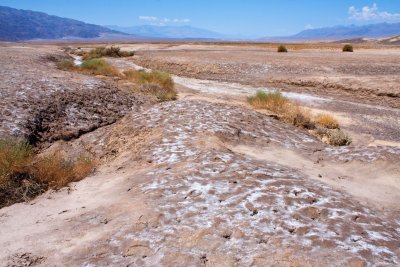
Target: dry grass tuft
x: 57, y: 172
x: 98, y: 67
x: 163, y: 79
x: 161, y: 93
x: 327, y: 126
x: 327, y: 121
x: 157, y: 83
x: 24, y: 175
x: 66, y: 65
x: 287, y: 111
x: 15, y: 159
x: 274, y: 101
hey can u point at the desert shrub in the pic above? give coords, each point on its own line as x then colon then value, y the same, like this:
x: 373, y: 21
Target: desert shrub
x: 161, y: 93
x: 98, y: 67
x: 297, y: 116
x: 327, y: 121
x: 347, y: 48
x: 337, y: 137
x: 53, y: 170
x: 274, y: 101
x: 163, y: 79
x: 15, y: 158
x: 157, y: 83
x: 24, y: 175
x: 132, y: 75
x: 287, y: 111
x: 113, y: 51
x: 82, y: 167
x: 282, y: 49
x: 56, y: 172
x: 66, y: 65
x: 97, y: 52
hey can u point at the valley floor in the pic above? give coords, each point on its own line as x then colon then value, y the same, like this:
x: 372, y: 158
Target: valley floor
x: 206, y: 180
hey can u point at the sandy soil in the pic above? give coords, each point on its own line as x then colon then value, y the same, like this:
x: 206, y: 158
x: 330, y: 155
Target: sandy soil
x: 208, y: 181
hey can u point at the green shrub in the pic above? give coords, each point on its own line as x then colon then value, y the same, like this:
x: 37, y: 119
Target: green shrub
x: 282, y: 49
x: 347, y: 48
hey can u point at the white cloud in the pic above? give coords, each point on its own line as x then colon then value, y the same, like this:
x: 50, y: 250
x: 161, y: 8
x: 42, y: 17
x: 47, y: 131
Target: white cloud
x: 148, y: 18
x: 163, y: 21
x: 308, y: 27
x: 371, y: 13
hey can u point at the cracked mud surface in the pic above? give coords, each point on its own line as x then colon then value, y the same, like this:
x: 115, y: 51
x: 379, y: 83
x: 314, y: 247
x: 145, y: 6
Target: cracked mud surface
x: 200, y: 183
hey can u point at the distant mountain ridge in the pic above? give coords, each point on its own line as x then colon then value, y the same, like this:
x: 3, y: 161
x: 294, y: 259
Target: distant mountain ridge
x: 343, y: 32
x: 24, y: 25
x: 173, y: 32
x: 19, y: 25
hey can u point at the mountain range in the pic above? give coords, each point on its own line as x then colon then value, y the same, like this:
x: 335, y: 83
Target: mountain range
x: 22, y: 25
x: 351, y: 31
x: 175, y: 32
x: 19, y: 25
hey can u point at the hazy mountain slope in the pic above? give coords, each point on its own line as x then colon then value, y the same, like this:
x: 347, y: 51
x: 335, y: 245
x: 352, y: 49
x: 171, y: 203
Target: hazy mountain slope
x: 343, y: 32
x: 17, y: 25
x: 168, y: 31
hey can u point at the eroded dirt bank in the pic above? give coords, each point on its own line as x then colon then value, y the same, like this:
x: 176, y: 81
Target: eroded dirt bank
x: 46, y: 104
x: 204, y: 182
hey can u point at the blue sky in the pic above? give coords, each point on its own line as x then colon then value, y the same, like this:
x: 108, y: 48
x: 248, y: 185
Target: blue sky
x: 243, y: 17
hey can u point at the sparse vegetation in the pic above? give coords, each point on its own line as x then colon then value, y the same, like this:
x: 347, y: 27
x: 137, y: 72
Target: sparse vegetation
x: 274, y: 101
x: 287, y: 111
x: 338, y: 138
x: 347, y: 48
x: 98, y: 67
x: 327, y: 126
x: 56, y: 172
x: 327, y: 121
x: 112, y: 51
x: 335, y: 137
x: 15, y: 157
x: 66, y: 65
x: 157, y: 83
x: 282, y: 49
x: 23, y: 175
x: 161, y: 93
